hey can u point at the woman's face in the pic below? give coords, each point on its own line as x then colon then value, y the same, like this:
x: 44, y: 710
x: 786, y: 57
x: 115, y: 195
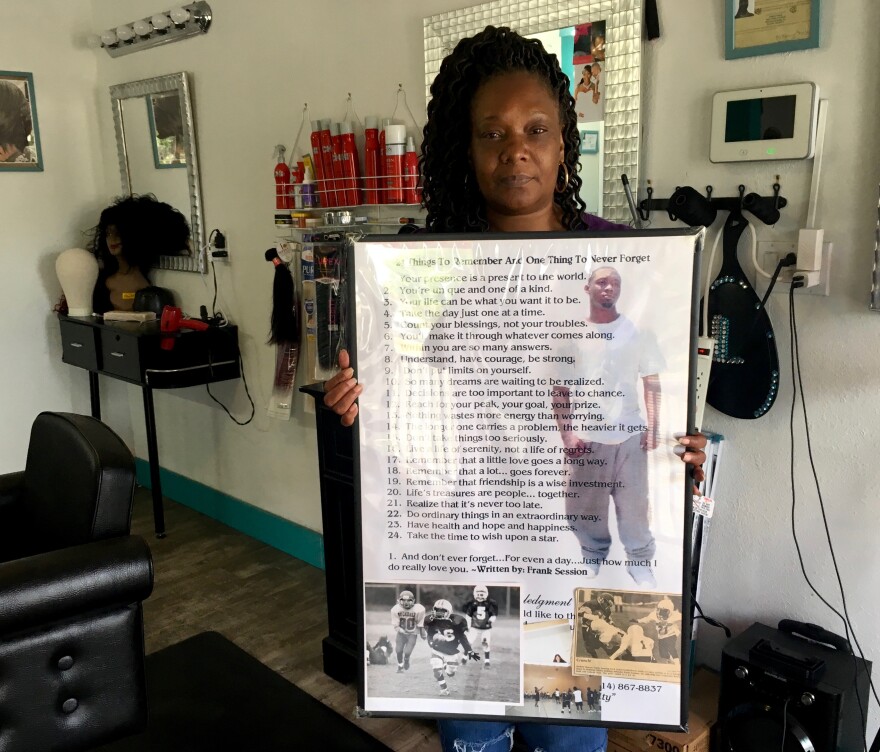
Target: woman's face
x: 516, y: 148
x: 114, y: 243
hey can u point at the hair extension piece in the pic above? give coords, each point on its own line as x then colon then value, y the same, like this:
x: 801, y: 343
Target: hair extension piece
x: 284, y: 323
x: 451, y: 196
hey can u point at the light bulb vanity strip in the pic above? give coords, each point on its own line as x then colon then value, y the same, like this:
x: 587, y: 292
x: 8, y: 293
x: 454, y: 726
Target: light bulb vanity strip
x: 180, y: 22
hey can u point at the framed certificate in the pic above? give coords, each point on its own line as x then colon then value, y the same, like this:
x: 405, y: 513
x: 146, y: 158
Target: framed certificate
x: 765, y: 27
x: 524, y: 519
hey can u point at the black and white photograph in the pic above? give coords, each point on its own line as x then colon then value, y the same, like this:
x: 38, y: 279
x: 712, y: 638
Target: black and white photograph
x: 554, y: 692
x: 627, y: 634
x: 435, y: 641
x: 19, y: 133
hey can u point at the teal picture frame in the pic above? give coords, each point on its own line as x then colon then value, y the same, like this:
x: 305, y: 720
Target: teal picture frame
x: 749, y: 8
x: 158, y: 163
x: 18, y: 113
x: 589, y: 142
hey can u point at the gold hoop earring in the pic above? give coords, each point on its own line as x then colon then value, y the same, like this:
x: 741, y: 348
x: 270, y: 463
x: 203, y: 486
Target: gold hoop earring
x: 567, y: 178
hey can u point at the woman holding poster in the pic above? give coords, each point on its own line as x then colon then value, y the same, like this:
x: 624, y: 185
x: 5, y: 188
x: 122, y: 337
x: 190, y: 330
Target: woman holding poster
x: 500, y: 154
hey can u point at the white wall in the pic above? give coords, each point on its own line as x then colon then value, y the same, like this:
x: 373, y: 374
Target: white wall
x: 44, y: 213
x: 252, y: 73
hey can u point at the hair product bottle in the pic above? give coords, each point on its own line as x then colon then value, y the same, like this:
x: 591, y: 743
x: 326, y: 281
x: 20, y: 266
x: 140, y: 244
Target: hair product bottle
x: 411, y: 173
x: 380, y: 183
x: 282, y: 180
x: 328, y: 188
x: 371, y: 159
x: 317, y: 160
x: 395, y: 146
x: 339, y: 182
x: 350, y: 169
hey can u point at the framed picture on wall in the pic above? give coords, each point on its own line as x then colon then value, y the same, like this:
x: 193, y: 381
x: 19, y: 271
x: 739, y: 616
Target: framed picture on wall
x: 166, y: 130
x: 19, y: 134
x: 765, y: 27
x: 589, y: 142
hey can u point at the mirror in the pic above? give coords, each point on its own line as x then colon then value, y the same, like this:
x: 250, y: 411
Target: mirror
x: 155, y: 139
x: 603, y: 36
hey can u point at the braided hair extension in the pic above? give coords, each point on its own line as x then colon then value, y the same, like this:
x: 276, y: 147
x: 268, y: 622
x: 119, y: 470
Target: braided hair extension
x: 451, y: 195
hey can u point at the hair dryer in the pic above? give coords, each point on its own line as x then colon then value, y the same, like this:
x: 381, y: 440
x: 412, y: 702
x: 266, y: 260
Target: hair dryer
x: 173, y: 321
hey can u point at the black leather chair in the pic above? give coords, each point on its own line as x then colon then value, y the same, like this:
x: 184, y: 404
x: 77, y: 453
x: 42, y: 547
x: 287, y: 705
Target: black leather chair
x: 71, y: 584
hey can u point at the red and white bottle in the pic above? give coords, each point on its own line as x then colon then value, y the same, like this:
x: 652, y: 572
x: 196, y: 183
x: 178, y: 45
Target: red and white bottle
x: 282, y: 180
x: 411, y: 192
x: 371, y: 159
x: 395, y: 148
x: 350, y: 167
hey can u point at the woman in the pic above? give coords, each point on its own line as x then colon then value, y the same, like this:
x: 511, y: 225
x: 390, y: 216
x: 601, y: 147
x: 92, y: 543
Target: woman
x: 500, y: 154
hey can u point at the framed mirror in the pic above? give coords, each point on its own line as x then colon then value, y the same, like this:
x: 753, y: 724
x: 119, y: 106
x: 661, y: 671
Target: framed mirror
x: 608, y: 64
x: 156, y: 143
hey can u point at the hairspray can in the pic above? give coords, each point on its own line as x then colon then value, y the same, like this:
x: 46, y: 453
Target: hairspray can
x: 411, y: 173
x: 371, y: 159
x: 282, y: 180
x: 317, y: 162
x: 349, y: 163
x: 395, y: 147
x: 327, y: 189
x: 339, y: 187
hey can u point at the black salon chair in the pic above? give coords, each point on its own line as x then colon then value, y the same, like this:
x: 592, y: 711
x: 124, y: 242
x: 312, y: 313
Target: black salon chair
x: 71, y: 584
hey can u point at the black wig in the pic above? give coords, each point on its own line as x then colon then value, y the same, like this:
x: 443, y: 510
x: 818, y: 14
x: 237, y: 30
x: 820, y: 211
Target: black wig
x: 451, y: 194
x: 147, y: 229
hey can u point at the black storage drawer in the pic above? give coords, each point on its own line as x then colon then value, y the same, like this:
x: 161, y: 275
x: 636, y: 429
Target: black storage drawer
x: 120, y: 354
x: 79, y: 345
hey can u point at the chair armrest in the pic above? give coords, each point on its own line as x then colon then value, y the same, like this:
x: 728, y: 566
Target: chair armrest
x: 11, y: 485
x: 55, y: 585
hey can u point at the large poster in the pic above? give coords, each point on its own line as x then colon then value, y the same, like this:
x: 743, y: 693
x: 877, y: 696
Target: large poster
x: 523, y: 511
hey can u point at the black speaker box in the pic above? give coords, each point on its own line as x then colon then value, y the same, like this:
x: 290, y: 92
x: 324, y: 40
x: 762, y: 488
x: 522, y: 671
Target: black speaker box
x: 785, y: 693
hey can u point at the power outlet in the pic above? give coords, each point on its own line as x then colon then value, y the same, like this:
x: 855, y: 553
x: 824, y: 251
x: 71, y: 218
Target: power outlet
x: 218, y: 248
x: 769, y: 254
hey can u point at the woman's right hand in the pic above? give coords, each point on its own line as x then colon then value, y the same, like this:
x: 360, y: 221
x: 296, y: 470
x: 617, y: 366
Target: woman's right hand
x: 341, y: 392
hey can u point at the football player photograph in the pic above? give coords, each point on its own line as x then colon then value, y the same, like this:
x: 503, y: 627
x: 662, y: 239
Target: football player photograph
x: 500, y: 153
x: 481, y: 612
x: 408, y: 622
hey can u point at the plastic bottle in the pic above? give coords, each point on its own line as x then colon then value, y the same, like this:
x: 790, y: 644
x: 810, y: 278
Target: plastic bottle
x: 339, y: 186
x: 282, y: 180
x: 350, y: 168
x: 380, y: 183
x: 371, y: 159
x: 411, y: 173
x: 395, y: 148
x: 317, y: 161
x: 327, y: 188
x: 309, y: 195
x: 298, y: 176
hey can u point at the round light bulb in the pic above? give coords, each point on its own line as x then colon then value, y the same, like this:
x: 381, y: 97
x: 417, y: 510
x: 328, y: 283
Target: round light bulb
x: 143, y: 28
x: 125, y: 33
x: 108, y: 38
x: 160, y: 22
x: 179, y: 15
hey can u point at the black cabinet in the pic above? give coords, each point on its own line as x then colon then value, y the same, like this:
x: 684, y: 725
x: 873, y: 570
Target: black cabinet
x: 134, y: 352
x: 342, y: 653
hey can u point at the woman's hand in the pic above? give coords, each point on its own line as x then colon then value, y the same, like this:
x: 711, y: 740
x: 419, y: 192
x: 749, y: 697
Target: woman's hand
x: 690, y: 449
x: 341, y: 392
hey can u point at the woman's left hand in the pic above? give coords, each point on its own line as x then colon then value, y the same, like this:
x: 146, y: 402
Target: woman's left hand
x: 692, y: 453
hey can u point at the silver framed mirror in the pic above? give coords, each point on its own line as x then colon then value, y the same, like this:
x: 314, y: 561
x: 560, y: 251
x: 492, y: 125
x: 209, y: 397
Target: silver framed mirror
x: 620, y: 142
x: 155, y: 130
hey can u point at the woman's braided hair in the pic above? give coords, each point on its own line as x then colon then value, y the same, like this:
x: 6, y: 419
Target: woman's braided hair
x: 451, y: 195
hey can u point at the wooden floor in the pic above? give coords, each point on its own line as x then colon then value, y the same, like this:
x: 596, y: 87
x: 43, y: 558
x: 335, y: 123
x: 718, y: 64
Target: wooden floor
x: 211, y: 577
